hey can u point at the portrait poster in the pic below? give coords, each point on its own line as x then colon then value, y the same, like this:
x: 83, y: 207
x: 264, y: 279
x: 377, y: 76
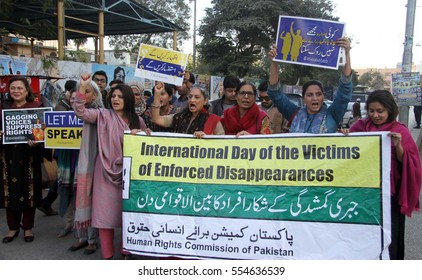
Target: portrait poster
x: 63, y: 130
x: 216, y: 87
x: 287, y: 197
x: 12, y: 66
x: 310, y: 42
x: 407, y: 88
x: 161, y: 64
x: 22, y: 125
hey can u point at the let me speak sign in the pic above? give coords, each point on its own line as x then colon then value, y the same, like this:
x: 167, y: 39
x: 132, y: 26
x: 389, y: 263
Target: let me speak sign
x: 161, y: 64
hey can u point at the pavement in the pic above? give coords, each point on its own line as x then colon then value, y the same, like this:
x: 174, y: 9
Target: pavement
x: 47, y: 246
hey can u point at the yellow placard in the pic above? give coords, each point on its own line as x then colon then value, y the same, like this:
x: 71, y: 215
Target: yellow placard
x: 161, y: 54
x: 63, y: 137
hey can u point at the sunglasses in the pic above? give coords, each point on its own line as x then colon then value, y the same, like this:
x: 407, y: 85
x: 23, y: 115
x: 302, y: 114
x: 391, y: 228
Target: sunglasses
x: 266, y: 98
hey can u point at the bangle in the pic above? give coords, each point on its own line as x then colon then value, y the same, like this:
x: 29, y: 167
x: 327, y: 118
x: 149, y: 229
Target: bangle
x: 156, y: 105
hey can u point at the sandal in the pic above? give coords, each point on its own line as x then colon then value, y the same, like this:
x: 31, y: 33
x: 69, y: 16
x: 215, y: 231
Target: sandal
x: 92, y: 248
x: 78, y: 245
x: 64, y: 232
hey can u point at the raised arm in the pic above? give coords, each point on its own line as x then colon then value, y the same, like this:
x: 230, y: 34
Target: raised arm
x: 274, y: 66
x: 155, y: 106
x: 280, y: 100
x: 88, y: 115
x: 345, y: 44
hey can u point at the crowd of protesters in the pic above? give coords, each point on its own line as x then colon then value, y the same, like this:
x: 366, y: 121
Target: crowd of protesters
x: 89, y: 180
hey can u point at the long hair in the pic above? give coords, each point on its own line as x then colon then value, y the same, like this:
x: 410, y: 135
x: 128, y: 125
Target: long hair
x: 30, y: 97
x: 129, y: 105
x: 386, y: 99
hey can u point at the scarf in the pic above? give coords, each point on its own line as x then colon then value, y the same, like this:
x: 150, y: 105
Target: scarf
x: 406, y: 175
x: 183, y: 123
x: 305, y: 123
x: 85, y: 171
x: 250, y: 122
x: 110, y: 145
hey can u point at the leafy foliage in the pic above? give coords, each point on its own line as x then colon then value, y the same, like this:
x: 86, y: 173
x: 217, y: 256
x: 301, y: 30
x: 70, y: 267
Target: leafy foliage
x: 80, y: 42
x: 237, y: 36
x: 177, y: 11
x: 23, y: 26
x: 373, y: 79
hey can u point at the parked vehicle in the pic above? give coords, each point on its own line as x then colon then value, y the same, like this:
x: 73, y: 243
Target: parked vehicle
x: 348, y: 116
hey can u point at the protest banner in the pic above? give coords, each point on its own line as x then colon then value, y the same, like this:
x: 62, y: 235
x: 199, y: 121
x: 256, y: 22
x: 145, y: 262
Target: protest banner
x: 407, y: 88
x: 161, y: 64
x: 63, y: 130
x: 310, y: 42
x: 21, y: 125
x: 292, y: 196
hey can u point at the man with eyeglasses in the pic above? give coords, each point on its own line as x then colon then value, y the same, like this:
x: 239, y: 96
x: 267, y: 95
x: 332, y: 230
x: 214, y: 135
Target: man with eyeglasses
x: 228, y: 100
x: 100, y: 78
x: 279, y: 124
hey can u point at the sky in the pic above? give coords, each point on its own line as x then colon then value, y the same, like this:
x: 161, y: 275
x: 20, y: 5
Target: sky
x: 377, y: 28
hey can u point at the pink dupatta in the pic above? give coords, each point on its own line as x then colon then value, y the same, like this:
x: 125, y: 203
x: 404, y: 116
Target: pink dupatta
x: 405, y: 176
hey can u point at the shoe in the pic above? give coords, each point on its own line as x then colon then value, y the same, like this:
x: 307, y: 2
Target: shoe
x: 64, y: 232
x: 28, y: 237
x: 77, y: 246
x: 91, y: 249
x: 9, y: 239
x: 417, y: 126
x: 48, y: 212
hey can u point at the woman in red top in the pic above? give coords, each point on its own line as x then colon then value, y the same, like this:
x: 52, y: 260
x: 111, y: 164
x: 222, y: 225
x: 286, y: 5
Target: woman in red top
x: 246, y: 117
x: 192, y: 120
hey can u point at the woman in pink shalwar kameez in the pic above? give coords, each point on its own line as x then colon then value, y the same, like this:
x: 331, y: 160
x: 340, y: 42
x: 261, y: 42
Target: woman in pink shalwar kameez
x: 405, y: 163
x: 107, y: 185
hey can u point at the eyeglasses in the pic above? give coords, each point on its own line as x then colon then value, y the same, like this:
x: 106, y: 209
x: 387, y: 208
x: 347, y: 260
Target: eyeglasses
x: 266, y: 98
x: 99, y: 80
x: 244, y: 93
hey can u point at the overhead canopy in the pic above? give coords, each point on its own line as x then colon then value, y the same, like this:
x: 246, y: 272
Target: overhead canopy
x: 121, y: 17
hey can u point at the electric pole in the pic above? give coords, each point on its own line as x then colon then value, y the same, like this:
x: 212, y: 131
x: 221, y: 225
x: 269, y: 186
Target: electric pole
x: 407, y: 53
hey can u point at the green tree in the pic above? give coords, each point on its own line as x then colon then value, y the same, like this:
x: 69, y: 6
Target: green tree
x: 80, y: 42
x: 237, y: 35
x: 176, y: 11
x: 373, y: 79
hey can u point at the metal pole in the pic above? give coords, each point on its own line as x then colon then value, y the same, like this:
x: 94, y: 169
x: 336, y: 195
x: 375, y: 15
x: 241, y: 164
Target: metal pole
x: 194, y: 35
x: 407, y: 53
x: 60, y: 28
x: 101, y: 35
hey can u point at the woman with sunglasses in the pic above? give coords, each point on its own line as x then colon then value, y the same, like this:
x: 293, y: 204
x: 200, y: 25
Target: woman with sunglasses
x: 314, y: 117
x: 246, y: 118
x: 279, y: 124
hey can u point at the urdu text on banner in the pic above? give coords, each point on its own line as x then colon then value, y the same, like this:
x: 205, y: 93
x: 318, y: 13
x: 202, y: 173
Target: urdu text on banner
x: 161, y: 64
x: 407, y: 88
x: 286, y: 196
x: 310, y: 42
